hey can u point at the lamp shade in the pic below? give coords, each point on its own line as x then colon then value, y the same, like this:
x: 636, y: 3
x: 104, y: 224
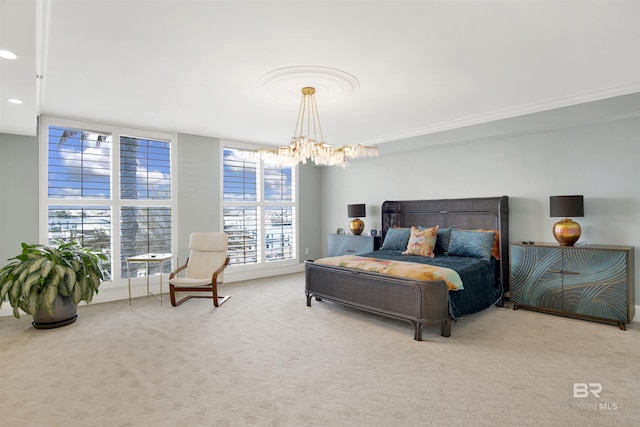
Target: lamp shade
x: 356, y: 211
x: 566, y: 206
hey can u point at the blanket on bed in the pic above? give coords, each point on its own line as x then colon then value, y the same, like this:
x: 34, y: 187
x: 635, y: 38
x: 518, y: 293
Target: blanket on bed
x: 397, y: 268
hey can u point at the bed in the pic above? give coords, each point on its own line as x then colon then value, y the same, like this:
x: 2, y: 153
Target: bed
x: 421, y: 302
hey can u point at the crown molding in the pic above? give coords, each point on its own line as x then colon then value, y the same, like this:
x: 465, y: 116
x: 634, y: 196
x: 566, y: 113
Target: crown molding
x: 552, y: 104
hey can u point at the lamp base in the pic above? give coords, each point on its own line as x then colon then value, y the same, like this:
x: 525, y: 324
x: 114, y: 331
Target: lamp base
x: 566, y: 232
x: 356, y: 226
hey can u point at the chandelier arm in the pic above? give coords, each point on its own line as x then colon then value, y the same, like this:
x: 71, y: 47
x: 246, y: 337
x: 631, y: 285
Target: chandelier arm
x: 310, y: 117
x: 311, y: 120
x: 317, y: 118
x: 300, y: 120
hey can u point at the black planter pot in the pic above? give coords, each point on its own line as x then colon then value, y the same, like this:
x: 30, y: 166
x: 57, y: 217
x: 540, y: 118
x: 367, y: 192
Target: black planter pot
x: 64, y: 313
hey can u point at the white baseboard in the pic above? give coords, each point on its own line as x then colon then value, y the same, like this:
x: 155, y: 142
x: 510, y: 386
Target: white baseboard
x: 237, y: 276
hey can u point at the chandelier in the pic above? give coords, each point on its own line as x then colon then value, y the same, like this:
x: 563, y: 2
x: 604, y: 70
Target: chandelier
x: 305, y: 144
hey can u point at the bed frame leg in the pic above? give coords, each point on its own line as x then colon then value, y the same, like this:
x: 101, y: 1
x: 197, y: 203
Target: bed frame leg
x: 445, y: 328
x: 308, y: 300
x: 418, y: 331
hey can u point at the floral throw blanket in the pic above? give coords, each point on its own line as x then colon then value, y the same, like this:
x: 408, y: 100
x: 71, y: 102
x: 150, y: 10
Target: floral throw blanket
x: 410, y: 270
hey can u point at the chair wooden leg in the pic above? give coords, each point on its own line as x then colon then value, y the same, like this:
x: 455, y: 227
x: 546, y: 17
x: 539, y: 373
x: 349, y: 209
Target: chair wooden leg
x: 218, y: 299
x: 172, y: 294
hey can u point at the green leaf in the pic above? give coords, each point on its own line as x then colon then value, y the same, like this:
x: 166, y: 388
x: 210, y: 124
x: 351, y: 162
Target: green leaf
x: 7, y: 270
x: 70, y: 279
x: 88, y: 295
x: 56, y: 277
x: 21, y: 271
x: 46, y: 267
x: 4, y: 289
x: 49, y: 298
x: 31, y: 280
x: 14, y: 293
x: 68, y: 283
x: 36, y: 264
x: 63, y: 290
x: 32, y: 303
x: 95, y: 280
x: 23, y: 274
x: 77, y: 290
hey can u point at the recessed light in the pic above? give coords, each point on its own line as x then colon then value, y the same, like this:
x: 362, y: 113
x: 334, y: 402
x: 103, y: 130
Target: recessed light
x: 14, y: 101
x: 7, y: 54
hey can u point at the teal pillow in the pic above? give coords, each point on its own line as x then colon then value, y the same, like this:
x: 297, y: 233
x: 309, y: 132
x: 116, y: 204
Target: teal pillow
x: 443, y: 240
x: 396, y: 239
x: 476, y: 244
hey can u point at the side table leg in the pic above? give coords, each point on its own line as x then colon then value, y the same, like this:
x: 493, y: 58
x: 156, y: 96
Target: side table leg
x: 161, y: 268
x: 148, y: 279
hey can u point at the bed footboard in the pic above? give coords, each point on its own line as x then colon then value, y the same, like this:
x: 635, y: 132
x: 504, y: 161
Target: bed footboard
x: 419, y: 302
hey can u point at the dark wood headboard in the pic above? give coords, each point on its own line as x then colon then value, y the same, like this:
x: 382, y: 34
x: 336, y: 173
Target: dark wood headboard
x: 469, y: 214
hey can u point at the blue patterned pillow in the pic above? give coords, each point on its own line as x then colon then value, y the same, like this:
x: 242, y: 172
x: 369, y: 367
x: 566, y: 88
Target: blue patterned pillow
x: 396, y: 239
x: 443, y: 240
x: 474, y: 244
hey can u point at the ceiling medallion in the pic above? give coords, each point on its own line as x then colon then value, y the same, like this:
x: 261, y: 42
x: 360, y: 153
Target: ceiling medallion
x: 330, y: 84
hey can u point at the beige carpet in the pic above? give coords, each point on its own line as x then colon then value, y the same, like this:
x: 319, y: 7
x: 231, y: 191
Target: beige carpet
x: 264, y: 358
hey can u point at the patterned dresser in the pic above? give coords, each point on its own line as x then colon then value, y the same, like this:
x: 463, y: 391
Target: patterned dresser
x: 587, y: 282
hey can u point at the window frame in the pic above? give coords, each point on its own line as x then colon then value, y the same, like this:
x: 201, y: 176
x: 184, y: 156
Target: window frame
x: 115, y: 202
x: 262, y: 264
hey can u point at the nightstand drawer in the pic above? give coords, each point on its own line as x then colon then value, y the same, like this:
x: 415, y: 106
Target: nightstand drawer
x: 349, y: 244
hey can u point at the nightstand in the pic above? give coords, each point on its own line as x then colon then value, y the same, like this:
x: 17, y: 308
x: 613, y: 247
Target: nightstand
x: 349, y: 244
x: 586, y: 282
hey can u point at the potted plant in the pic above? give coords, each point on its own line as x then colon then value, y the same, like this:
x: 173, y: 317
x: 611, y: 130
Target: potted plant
x: 48, y: 281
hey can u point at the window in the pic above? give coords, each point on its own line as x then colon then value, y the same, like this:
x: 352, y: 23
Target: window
x: 79, y: 164
x: 114, y: 196
x: 145, y: 176
x: 258, y: 209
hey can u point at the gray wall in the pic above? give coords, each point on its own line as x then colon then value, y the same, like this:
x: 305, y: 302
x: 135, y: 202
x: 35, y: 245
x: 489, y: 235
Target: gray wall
x: 600, y: 160
x: 310, y: 208
x: 198, y: 190
x: 18, y: 193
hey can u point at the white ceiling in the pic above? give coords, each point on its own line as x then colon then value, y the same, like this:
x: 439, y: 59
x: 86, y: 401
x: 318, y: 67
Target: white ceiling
x: 421, y: 66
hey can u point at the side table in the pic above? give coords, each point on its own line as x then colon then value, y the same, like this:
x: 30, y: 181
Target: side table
x: 148, y: 258
x: 349, y: 244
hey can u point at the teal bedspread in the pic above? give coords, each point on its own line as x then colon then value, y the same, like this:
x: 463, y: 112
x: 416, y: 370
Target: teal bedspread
x: 481, y: 286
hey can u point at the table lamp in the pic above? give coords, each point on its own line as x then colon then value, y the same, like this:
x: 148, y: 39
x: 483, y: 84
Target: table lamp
x: 566, y: 231
x: 356, y: 212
